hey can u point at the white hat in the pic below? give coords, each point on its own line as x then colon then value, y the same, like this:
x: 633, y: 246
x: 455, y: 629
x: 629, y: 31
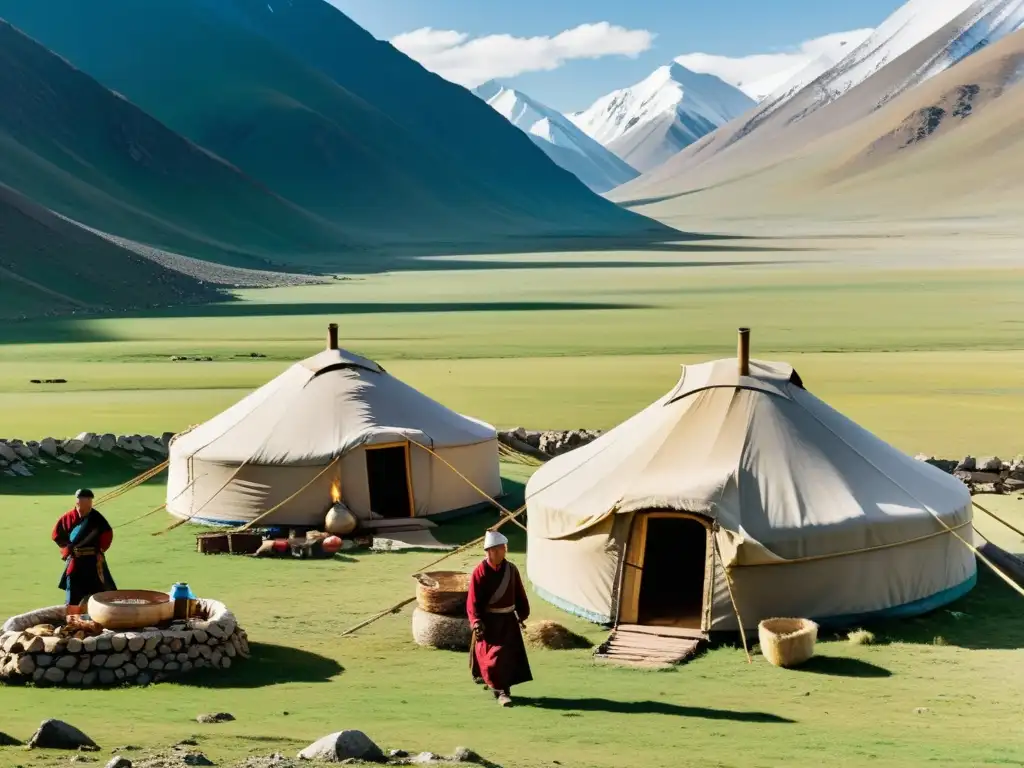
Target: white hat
x: 494, y: 539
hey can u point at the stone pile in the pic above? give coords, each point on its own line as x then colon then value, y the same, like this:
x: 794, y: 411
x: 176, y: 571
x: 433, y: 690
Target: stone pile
x: 545, y: 444
x: 118, y: 658
x: 22, y: 458
x: 984, y: 475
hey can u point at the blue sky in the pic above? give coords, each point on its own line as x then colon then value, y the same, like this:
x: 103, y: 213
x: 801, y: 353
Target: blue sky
x: 638, y: 36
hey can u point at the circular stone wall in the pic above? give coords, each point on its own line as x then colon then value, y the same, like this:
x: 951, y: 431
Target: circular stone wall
x: 211, y: 643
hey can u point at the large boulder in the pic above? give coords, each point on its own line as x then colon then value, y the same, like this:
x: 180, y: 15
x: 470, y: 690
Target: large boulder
x: 108, y: 442
x: 48, y: 446
x: 56, y: 734
x: 7, y: 453
x: 153, y: 445
x: 19, y: 468
x: 73, y: 446
x: 130, y: 443
x: 344, y: 745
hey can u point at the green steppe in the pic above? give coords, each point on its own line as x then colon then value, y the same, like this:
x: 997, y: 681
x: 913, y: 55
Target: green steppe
x: 928, y: 356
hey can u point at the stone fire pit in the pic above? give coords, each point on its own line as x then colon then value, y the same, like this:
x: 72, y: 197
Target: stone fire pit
x: 32, y: 650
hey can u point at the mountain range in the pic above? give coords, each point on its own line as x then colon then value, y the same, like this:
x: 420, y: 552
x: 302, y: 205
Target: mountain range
x: 890, y: 129
x: 267, y: 135
x: 143, y: 143
x: 650, y: 122
x: 562, y: 141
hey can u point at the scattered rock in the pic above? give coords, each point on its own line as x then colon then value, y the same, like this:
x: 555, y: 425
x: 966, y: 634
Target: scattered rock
x: 218, y: 717
x: 196, y: 758
x: 465, y: 755
x: 119, y: 762
x: 990, y: 464
x: 968, y: 464
x: 56, y: 734
x: 921, y: 710
x: 344, y: 745
x: 398, y: 753
x: 427, y: 757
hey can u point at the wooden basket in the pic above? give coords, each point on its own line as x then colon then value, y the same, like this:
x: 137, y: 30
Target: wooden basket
x: 787, y: 642
x: 442, y: 592
x: 146, y: 609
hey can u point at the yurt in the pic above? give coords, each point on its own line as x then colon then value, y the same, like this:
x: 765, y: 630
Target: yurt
x: 741, y: 493
x: 333, y: 427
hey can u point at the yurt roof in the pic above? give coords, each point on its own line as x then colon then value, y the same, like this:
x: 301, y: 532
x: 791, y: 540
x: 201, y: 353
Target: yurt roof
x: 760, y: 454
x: 324, y: 407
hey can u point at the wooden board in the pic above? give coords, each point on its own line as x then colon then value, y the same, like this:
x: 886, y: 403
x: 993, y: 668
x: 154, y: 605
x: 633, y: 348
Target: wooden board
x: 650, y: 647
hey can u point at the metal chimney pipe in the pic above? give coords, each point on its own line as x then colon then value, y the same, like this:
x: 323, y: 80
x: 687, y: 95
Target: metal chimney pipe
x: 332, y: 336
x: 743, y: 351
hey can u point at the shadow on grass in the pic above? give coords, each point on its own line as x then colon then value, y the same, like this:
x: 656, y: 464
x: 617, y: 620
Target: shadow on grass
x: 101, y: 473
x: 647, y: 708
x: 836, y: 666
x: 251, y: 309
x: 989, y: 617
x: 268, y: 665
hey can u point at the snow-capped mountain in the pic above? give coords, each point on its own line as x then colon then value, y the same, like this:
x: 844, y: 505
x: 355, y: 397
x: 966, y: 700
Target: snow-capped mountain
x: 920, y: 40
x: 963, y: 27
x: 561, y: 140
x: 649, y: 122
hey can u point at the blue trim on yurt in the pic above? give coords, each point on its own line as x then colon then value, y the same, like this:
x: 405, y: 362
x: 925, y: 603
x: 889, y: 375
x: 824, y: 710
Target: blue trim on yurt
x: 568, y: 607
x: 907, y: 610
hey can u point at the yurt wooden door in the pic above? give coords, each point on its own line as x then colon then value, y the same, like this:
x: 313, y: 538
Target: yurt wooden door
x: 668, y: 571
x: 390, y: 480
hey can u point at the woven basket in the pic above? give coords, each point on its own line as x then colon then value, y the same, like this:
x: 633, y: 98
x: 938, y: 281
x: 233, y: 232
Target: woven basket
x: 450, y: 633
x: 442, y: 592
x: 787, y: 642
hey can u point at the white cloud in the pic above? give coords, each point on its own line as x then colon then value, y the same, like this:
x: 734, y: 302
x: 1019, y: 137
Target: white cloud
x: 759, y: 74
x: 471, y: 61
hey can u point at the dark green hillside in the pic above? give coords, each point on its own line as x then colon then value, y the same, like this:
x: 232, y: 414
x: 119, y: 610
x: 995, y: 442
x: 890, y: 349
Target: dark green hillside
x: 73, y: 146
x: 52, y: 266
x: 310, y: 104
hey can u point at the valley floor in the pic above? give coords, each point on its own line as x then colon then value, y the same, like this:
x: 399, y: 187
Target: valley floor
x: 919, y: 343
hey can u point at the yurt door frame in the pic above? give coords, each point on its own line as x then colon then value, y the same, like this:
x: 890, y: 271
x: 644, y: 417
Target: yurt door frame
x: 408, y: 470
x: 633, y: 565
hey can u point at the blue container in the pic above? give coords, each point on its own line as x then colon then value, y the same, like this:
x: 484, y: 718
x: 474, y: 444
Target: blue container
x: 181, y: 590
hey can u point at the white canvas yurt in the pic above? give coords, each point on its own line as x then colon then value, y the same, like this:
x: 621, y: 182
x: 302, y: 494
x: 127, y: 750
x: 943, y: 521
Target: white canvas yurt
x: 741, y: 477
x: 336, y: 405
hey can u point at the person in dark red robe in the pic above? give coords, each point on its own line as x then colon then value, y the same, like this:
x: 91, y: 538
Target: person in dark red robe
x: 84, y: 536
x: 497, y: 607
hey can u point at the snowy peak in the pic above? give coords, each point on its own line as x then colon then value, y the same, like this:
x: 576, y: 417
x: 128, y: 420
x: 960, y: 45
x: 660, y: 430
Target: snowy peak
x: 956, y: 28
x: 561, y: 140
x: 673, y: 107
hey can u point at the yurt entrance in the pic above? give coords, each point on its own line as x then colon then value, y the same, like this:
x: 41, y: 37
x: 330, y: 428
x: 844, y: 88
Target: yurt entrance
x: 389, y: 479
x: 668, y: 571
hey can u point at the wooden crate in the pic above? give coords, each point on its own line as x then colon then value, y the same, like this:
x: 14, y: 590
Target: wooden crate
x: 228, y: 543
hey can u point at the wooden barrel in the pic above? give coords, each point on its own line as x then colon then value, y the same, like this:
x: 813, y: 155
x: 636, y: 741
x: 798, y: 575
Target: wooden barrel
x: 130, y: 609
x: 442, y: 592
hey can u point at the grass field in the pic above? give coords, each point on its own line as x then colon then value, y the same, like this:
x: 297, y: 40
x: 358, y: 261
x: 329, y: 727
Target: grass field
x: 928, y: 358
